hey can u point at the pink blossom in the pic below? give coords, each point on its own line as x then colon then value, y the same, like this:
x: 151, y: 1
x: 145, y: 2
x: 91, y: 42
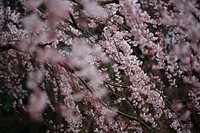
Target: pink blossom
x: 33, y: 23
x: 93, y: 9
x: 177, y: 106
x: 185, y: 116
x: 32, y: 4
x: 37, y: 103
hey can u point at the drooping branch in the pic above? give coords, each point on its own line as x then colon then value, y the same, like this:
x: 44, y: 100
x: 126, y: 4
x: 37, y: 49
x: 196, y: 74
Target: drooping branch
x: 105, y: 104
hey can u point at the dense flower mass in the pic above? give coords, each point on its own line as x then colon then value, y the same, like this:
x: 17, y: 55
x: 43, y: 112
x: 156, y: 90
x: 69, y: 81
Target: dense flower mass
x: 100, y: 66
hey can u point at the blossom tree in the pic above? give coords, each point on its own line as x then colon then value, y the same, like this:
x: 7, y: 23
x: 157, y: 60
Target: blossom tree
x: 100, y: 65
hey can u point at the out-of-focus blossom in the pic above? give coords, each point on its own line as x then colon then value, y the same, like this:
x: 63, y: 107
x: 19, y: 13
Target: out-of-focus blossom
x: 185, y: 116
x: 33, y: 23
x: 33, y: 4
x: 109, y: 114
x: 37, y: 104
x: 93, y: 9
x: 177, y: 106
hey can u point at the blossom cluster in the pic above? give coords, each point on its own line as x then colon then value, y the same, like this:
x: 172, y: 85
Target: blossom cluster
x: 101, y: 65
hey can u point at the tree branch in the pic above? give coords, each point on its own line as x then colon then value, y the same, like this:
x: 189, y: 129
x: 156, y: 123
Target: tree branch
x: 105, y: 104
